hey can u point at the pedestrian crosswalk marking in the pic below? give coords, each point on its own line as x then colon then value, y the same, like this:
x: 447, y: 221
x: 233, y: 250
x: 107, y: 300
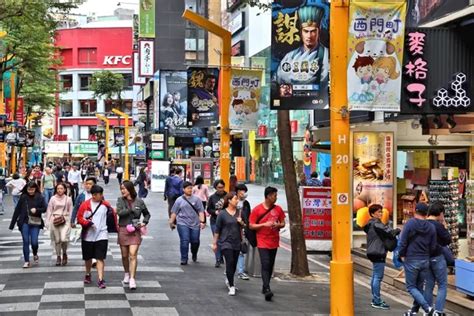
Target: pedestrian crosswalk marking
x: 19, y: 307
x: 147, y: 296
x: 61, y: 312
x: 96, y: 304
x: 22, y: 292
x: 152, y: 311
x: 80, y: 268
x: 62, y: 298
x: 64, y: 285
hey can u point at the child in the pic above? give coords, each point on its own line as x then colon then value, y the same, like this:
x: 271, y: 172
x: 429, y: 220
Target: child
x: 92, y: 216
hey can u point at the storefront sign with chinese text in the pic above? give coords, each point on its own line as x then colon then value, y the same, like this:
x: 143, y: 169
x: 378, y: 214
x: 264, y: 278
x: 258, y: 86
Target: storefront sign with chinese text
x: 146, y: 56
x: 317, y: 209
x: 376, y: 38
x: 203, y: 104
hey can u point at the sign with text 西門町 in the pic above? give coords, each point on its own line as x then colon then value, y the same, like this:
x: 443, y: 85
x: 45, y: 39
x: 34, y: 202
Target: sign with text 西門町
x: 147, y: 18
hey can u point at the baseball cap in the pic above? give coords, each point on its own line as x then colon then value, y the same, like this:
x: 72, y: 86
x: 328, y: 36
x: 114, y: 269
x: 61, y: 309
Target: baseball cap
x: 421, y: 208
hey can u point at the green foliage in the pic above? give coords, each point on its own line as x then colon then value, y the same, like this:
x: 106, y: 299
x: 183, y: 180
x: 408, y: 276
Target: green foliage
x: 107, y: 84
x: 262, y: 5
x: 29, y: 49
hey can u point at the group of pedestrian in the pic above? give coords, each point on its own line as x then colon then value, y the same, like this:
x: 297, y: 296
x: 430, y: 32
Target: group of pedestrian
x: 232, y: 223
x: 423, y: 251
x: 314, y: 180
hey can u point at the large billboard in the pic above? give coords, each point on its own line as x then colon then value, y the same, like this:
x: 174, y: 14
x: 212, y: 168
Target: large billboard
x: 203, y: 104
x: 300, y: 54
x: 375, y: 54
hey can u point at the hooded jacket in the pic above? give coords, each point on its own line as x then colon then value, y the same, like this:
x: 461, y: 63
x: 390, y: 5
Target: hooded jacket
x: 418, y: 240
x: 442, y: 236
x: 216, y: 203
x: 173, y: 187
x: 377, y: 232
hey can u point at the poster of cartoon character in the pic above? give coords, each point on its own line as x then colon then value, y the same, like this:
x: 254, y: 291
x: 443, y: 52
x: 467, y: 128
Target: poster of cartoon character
x: 203, y: 104
x: 376, y: 38
x: 300, y: 54
x: 245, y: 86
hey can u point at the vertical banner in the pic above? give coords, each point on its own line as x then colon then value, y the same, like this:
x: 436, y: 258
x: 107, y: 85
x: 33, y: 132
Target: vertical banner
x: 146, y: 55
x: 173, y: 100
x: 376, y: 38
x: 119, y: 136
x: 203, y: 105
x: 240, y: 168
x: 159, y: 171
x: 20, y: 110
x: 300, y: 55
x: 372, y: 173
x: 137, y: 80
x: 147, y: 18
x: 245, y: 87
x: 317, y: 208
x: 136, y: 31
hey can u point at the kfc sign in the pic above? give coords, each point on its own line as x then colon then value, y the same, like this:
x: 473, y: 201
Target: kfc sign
x: 115, y: 60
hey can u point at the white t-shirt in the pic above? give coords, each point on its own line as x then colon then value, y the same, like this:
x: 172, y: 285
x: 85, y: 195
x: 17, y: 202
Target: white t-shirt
x: 17, y: 185
x: 98, y: 231
x: 119, y: 170
x: 74, y: 176
x: 106, y: 172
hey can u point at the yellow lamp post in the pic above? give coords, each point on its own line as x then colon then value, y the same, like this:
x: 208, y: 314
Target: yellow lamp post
x: 126, y: 175
x: 226, y: 37
x: 107, y: 128
x: 342, y: 278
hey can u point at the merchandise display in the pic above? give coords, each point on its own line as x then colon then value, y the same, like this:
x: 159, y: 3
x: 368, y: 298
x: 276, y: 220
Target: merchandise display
x: 447, y: 192
x: 470, y: 215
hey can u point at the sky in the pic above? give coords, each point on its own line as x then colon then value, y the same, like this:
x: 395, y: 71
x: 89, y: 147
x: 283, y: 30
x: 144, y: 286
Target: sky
x: 104, y: 7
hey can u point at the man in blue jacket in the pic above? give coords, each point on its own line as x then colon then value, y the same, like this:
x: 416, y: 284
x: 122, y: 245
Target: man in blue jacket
x: 173, y: 188
x: 417, y: 243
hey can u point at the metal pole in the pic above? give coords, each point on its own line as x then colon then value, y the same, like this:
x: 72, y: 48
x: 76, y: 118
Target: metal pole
x: 342, y: 278
x: 107, y: 130
x: 126, y: 173
x: 12, y: 103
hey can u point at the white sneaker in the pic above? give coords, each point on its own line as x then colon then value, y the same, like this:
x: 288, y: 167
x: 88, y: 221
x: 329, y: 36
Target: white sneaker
x: 126, y: 278
x: 232, y: 291
x: 227, y: 283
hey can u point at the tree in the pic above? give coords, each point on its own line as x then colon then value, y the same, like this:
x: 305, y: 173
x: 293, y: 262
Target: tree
x: 107, y: 84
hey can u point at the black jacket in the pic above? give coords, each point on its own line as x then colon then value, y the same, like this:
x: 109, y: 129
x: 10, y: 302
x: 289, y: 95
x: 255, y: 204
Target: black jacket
x: 377, y: 232
x: 246, y: 209
x: 27, y: 202
x: 443, y: 237
x: 216, y: 203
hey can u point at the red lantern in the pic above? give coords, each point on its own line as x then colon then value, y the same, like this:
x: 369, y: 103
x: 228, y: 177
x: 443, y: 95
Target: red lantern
x: 262, y: 131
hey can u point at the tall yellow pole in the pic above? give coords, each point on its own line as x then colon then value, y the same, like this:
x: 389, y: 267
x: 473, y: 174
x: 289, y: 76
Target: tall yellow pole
x: 12, y: 110
x: 342, y: 279
x: 107, y: 128
x: 3, y: 147
x: 126, y: 175
x: 226, y: 37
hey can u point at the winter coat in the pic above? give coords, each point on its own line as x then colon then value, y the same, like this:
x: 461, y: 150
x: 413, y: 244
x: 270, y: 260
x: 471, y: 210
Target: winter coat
x: 418, y: 239
x: 127, y: 214
x: 26, y: 203
x: 377, y: 232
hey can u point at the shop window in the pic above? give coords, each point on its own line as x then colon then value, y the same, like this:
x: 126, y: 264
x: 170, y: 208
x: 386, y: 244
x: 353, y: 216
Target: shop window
x: 88, y: 107
x: 66, y: 56
x: 124, y: 106
x: 127, y: 81
x: 66, y: 108
x: 66, y: 82
x: 84, y: 82
x: 190, y: 56
x: 190, y: 44
x: 87, y: 55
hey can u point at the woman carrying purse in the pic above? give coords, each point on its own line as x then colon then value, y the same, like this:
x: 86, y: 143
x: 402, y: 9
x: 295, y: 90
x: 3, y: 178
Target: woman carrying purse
x: 58, y: 221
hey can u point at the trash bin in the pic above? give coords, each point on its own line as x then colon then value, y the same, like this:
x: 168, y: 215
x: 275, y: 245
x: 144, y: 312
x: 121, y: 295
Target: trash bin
x: 252, y: 262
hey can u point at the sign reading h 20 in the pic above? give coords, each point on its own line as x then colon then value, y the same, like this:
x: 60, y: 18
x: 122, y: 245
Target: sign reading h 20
x: 300, y: 55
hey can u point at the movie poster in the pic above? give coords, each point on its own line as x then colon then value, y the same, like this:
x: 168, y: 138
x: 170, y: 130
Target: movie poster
x: 203, y: 104
x: 245, y: 98
x: 373, y: 176
x: 300, y: 54
x: 173, y: 100
x: 376, y: 38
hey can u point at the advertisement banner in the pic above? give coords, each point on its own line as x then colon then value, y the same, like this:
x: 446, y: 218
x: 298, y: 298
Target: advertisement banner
x: 20, y: 110
x: 203, y: 104
x: 147, y: 18
x: 245, y: 87
x: 300, y: 55
x: 119, y: 136
x: 146, y: 55
x: 376, y: 38
x: 137, y: 79
x: 317, y: 211
x: 159, y: 172
x: 174, y: 104
x: 373, y: 166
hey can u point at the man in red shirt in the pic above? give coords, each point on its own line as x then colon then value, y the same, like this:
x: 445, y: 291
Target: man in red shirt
x: 267, y: 219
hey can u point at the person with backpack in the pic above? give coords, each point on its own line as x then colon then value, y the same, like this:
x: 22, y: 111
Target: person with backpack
x: 243, y: 206
x: 214, y: 207
x: 16, y: 184
x: 92, y: 216
x: 267, y: 219
x: 173, y: 188
x: 188, y: 216
x: 47, y: 184
x: 142, y: 182
x: 82, y: 197
x: 380, y: 239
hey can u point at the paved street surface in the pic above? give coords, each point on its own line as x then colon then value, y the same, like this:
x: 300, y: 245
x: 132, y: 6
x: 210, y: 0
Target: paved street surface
x: 164, y: 287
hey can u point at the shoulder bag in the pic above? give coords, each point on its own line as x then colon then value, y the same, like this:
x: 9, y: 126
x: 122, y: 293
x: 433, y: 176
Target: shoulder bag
x: 32, y: 219
x: 60, y: 220
x: 85, y: 228
x: 195, y: 210
x: 252, y: 234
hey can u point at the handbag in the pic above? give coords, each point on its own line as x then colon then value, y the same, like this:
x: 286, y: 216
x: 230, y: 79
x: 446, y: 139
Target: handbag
x: 244, y: 245
x: 32, y: 219
x: 60, y: 220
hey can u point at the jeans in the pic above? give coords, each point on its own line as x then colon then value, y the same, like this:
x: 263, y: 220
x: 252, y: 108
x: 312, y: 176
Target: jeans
x: 16, y: 198
x: 171, y: 201
x: 188, y: 235
x: 48, y: 194
x: 231, y: 257
x: 30, y: 234
x: 241, y: 264
x: 416, y: 272
x: 439, y: 273
x: 378, y: 269
x: 106, y: 179
x: 218, y: 252
x: 267, y: 260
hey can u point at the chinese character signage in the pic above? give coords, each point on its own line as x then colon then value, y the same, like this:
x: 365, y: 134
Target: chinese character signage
x: 316, y: 205
x: 437, y: 76
x: 146, y: 55
x: 373, y: 176
x: 245, y: 89
x: 376, y: 38
x: 300, y: 55
x: 203, y: 105
x: 20, y: 110
x: 119, y: 136
x: 174, y: 102
x: 137, y: 79
x: 147, y: 18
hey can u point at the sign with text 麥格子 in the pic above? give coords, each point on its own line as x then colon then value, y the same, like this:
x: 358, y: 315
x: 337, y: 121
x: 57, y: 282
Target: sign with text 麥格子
x: 203, y: 98
x: 300, y: 55
x: 245, y: 87
x: 376, y: 38
x: 438, y: 72
x: 147, y: 18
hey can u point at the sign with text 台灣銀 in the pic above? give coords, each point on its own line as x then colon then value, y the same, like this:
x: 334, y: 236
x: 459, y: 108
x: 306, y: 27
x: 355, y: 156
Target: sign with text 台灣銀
x: 317, y: 209
x: 376, y: 39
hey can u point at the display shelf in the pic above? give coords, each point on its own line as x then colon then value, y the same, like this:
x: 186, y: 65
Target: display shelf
x: 470, y: 215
